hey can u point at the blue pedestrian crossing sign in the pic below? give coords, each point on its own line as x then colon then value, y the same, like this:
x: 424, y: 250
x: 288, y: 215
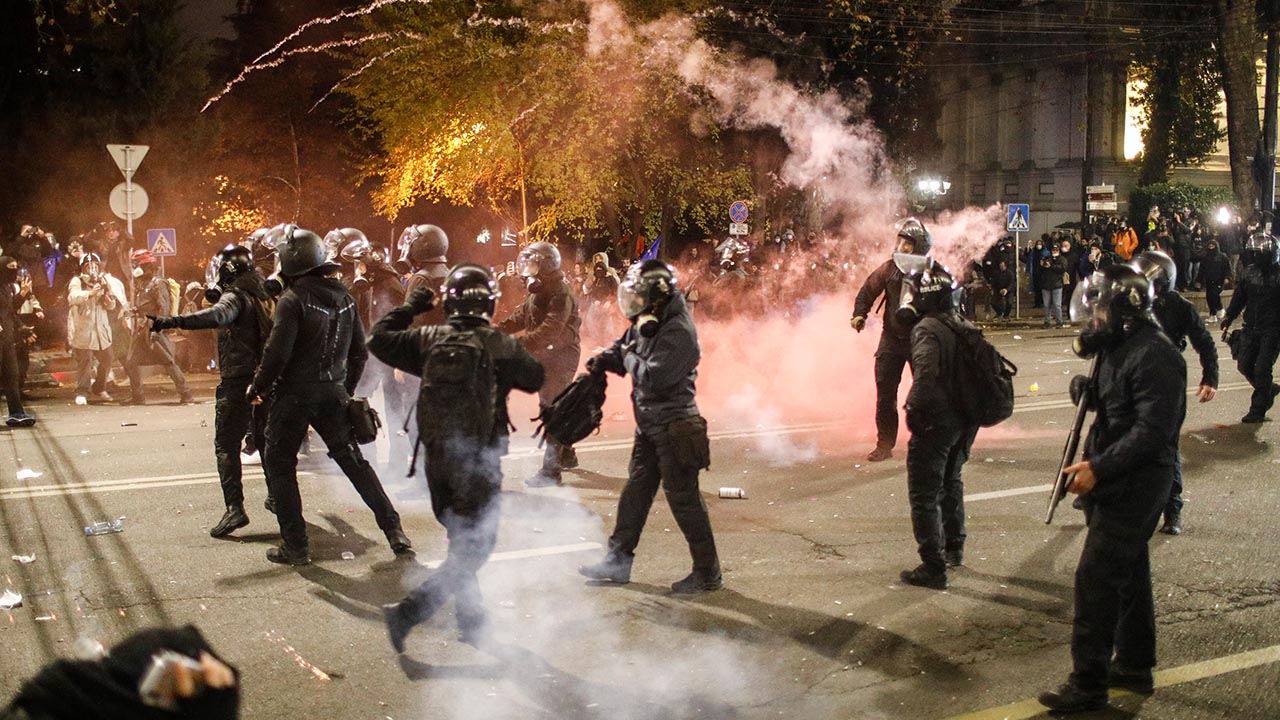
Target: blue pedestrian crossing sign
x: 163, y: 242
x: 1018, y: 219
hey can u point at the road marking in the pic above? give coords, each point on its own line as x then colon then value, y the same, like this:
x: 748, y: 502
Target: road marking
x: 1066, y: 403
x: 1163, y: 678
x: 1013, y: 492
x: 140, y: 483
x: 532, y: 553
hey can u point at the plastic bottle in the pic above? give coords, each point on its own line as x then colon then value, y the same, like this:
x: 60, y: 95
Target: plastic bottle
x: 105, y: 527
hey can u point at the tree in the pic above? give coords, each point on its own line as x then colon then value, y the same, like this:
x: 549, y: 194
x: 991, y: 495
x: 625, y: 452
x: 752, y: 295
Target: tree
x: 1236, y: 24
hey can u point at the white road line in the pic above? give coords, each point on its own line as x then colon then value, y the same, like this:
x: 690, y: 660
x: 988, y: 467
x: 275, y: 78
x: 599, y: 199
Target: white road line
x: 1013, y: 492
x: 532, y: 553
x: 1164, y: 678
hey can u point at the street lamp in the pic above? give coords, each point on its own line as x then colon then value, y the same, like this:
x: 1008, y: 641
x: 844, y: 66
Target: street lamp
x: 1224, y: 215
x: 932, y: 186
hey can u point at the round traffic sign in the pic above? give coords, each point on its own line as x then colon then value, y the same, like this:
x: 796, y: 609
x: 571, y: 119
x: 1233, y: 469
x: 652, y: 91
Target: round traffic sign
x: 120, y: 200
x: 738, y: 212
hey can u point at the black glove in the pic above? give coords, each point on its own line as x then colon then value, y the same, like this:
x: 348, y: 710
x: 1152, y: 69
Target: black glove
x: 1224, y: 325
x: 421, y: 299
x: 251, y: 394
x: 1080, y: 386
x: 159, y: 324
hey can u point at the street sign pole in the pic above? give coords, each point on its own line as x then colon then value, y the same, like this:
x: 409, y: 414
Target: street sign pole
x: 1017, y: 275
x: 1017, y: 221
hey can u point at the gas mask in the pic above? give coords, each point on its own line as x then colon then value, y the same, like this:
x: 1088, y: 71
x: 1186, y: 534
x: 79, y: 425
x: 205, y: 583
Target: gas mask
x: 1106, y: 303
x: 926, y: 287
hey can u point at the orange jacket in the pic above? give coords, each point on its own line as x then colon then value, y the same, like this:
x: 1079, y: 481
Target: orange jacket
x: 1124, y: 242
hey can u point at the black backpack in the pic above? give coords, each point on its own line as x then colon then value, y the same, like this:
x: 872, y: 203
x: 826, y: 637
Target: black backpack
x: 459, y: 390
x: 982, y: 379
x: 576, y: 412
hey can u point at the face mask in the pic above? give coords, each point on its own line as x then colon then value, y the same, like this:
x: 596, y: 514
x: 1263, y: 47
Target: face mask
x: 533, y: 284
x: 647, y: 325
x: 138, y: 272
x: 8, y: 274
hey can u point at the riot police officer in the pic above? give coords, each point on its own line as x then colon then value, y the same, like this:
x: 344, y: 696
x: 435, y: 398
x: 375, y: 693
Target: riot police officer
x: 1257, y: 295
x: 1180, y: 321
x: 1124, y: 481
x: 941, y: 436
x: 894, y: 349
x: 243, y: 311
x: 660, y: 351
x: 547, y: 325
x: 425, y: 248
x: 312, y: 361
x: 467, y: 368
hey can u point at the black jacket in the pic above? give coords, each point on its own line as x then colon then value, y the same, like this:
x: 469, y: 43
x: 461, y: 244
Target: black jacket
x: 237, y: 312
x: 1050, y: 276
x: 395, y: 343
x: 8, y: 313
x: 548, y: 325
x: 316, y: 337
x: 886, y: 279
x: 1141, y: 401
x: 377, y: 293
x: 1181, y: 321
x: 663, y: 368
x: 433, y: 276
x: 1000, y: 279
x: 1257, y: 294
x: 1215, y: 268
x: 931, y: 400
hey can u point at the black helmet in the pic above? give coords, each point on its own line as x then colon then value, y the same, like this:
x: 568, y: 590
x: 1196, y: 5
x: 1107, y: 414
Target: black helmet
x: 422, y: 244
x: 927, y: 287
x: 1103, y: 303
x: 301, y: 251
x: 648, y: 284
x: 470, y: 291
x: 337, y: 240
x: 1261, y: 251
x: 1159, y: 269
x: 914, y: 230
x: 537, y: 258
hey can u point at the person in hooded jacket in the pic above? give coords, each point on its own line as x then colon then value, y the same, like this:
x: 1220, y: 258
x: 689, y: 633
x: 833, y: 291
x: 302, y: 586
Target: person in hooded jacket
x: 1124, y: 480
x: 895, y: 339
x: 1180, y: 321
x: 1215, y: 273
x: 660, y: 351
x: 242, y: 312
x: 547, y: 325
x: 941, y: 436
x: 152, y: 298
x: 10, y: 375
x: 312, y: 361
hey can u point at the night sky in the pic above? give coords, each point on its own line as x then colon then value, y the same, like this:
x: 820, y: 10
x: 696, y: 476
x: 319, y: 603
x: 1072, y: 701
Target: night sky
x: 205, y: 18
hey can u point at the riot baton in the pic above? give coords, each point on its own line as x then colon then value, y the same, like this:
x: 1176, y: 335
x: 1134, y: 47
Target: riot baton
x: 1062, y: 482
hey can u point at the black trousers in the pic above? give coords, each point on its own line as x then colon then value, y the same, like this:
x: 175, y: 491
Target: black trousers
x: 1175, y: 493
x: 1213, y: 296
x: 1001, y: 305
x: 654, y: 463
x: 466, y: 487
x: 935, y: 459
x: 9, y: 376
x: 233, y: 420
x: 322, y: 406
x: 558, y: 378
x: 1257, y: 363
x: 1114, y: 610
x: 889, y: 363
x: 153, y: 349
x: 379, y: 374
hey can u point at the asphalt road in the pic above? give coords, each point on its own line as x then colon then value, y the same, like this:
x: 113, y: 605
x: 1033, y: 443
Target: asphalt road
x: 812, y: 622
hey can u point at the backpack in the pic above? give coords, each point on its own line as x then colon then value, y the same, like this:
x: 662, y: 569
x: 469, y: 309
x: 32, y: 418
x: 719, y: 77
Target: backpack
x: 576, y: 412
x: 459, y: 393
x: 175, y: 297
x: 982, y: 379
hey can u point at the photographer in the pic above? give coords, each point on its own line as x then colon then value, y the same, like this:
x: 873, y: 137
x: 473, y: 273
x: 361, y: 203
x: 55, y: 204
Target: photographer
x: 94, y: 303
x: 1051, y: 279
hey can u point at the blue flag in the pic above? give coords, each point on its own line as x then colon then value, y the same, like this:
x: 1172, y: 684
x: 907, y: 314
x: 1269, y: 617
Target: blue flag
x: 652, y: 252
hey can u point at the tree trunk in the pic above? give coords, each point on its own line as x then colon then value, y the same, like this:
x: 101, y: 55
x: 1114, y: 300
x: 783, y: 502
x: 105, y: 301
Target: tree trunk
x: 1156, y: 152
x: 1237, y: 25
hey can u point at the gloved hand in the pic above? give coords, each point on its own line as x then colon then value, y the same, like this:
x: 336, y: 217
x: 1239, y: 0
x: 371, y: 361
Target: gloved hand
x: 251, y: 394
x: 858, y: 322
x: 159, y: 324
x: 421, y: 299
x: 1224, y: 325
x: 1080, y: 385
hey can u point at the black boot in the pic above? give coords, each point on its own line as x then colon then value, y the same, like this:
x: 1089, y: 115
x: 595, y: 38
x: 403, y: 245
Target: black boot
x: 881, y: 452
x: 698, y: 582
x: 398, y: 625
x: 284, y: 555
x: 568, y: 457
x: 922, y: 576
x: 270, y: 504
x: 1137, y: 681
x: 398, y: 541
x: 1071, y: 699
x: 954, y: 557
x: 611, y: 569
x: 233, y: 519
x: 544, y: 478
x: 1172, y: 523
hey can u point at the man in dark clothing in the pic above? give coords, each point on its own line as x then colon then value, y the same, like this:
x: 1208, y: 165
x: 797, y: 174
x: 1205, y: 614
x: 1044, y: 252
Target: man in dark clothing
x: 425, y: 248
x: 1124, y: 481
x: 151, y: 298
x: 1215, y: 273
x: 660, y: 351
x: 10, y: 383
x: 941, y: 436
x: 894, y: 348
x: 243, y: 312
x: 1050, y: 278
x: 547, y: 325
x: 1257, y: 295
x: 1180, y: 320
x: 312, y: 361
x: 1001, y: 281
x: 463, y: 452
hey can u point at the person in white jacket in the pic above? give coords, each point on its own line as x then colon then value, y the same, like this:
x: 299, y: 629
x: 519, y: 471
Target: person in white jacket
x: 95, y: 298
